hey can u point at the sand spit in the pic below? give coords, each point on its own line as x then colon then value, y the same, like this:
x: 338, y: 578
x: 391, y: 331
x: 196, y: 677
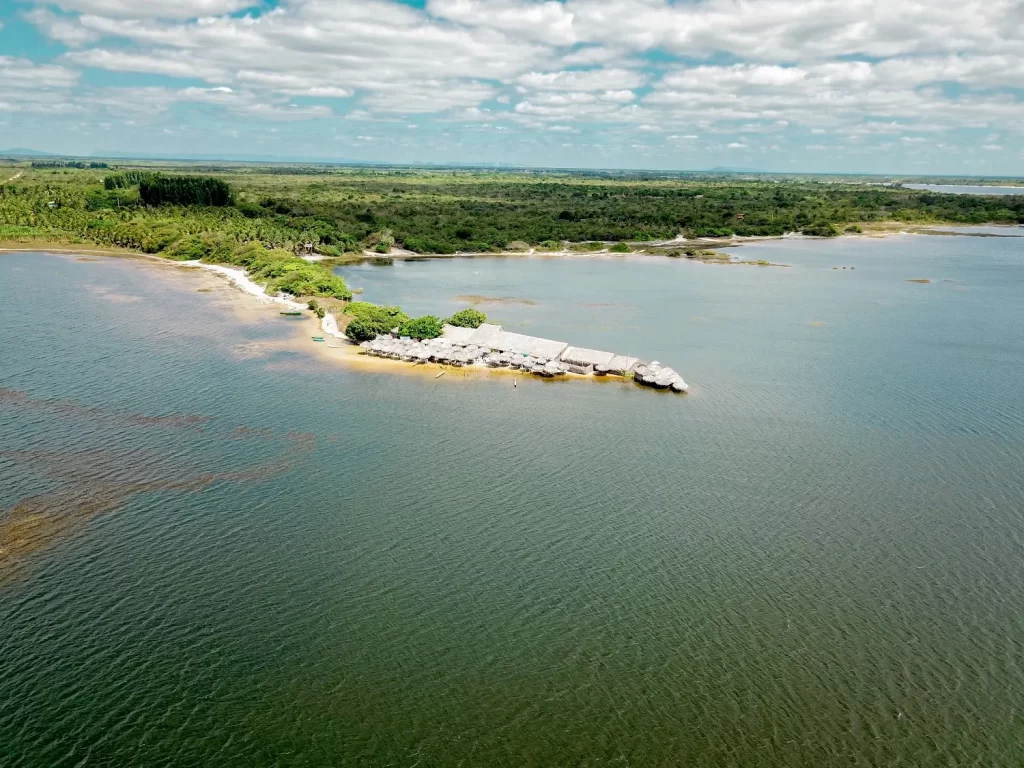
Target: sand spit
x: 242, y: 281
x: 540, y: 357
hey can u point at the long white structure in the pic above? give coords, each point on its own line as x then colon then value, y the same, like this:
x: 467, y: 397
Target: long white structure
x: 493, y: 346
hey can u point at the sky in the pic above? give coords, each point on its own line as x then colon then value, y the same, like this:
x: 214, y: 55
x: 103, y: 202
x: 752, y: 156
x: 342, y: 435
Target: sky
x: 850, y: 86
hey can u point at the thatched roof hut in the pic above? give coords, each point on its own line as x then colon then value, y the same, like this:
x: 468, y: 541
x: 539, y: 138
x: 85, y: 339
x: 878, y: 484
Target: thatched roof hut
x: 457, y: 334
x: 583, y: 357
x: 621, y: 364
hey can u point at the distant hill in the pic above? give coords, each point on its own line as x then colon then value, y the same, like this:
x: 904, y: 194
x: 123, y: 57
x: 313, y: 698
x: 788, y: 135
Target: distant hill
x: 222, y: 157
x: 23, y: 152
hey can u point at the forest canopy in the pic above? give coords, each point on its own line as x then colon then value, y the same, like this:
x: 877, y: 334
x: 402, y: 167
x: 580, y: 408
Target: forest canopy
x: 177, y: 209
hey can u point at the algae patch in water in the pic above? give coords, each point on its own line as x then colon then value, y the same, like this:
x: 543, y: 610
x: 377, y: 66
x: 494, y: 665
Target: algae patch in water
x: 90, y: 483
x: 474, y: 298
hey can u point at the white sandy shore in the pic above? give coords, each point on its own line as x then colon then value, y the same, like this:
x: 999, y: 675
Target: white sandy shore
x: 237, y: 276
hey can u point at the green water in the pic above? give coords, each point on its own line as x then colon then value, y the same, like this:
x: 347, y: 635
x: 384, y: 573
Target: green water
x: 814, y: 559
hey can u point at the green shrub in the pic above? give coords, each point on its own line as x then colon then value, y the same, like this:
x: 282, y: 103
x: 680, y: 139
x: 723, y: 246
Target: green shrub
x: 382, y: 241
x: 361, y: 330
x: 426, y: 327
x: 375, y: 319
x: 620, y: 248
x: 189, y: 248
x: 820, y: 229
x: 250, y: 210
x: 159, y: 238
x: 424, y: 245
x: 467, y: 318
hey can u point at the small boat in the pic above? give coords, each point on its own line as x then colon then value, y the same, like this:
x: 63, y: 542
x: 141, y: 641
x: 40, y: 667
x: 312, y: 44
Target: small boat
x: 295, y: 313
x: 318, y: 338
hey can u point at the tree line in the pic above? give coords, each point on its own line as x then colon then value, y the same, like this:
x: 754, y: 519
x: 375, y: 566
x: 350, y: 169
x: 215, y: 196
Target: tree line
x: 445, y: 212
x: 81, y: 164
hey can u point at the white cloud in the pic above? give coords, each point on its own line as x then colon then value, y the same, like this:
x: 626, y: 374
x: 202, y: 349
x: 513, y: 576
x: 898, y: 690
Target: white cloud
x: 548, y: 22
x: 62, y: 29
x: 22, y: 73
x: 168, y: 63
x: 858, y: 70
x: 160, y: 9
x: 594, y: 54
x: 583, y: 80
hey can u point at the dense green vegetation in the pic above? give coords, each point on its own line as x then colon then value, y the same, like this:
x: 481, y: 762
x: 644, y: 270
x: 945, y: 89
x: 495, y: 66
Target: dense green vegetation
x: 123, y: 180
x: 282, y: 271
x: 371, y: 320
x: 158, y: 189
x: 157, y: 209
x: 467, y: 318
x: 426, y: 327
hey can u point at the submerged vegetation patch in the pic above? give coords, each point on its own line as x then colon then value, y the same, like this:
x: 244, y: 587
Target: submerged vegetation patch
x: 91, y: 483
x: 475, y: 298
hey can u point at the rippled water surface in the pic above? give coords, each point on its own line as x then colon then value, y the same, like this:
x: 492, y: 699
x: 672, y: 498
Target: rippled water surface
x: 216, y: 549
x: 967, y: 189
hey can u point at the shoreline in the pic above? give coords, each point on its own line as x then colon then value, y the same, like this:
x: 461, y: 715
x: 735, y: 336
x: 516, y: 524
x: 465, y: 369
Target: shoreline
x: 241, y: 287
x: 871, y: 230
x: 350, y: 351
x: 351, y: 354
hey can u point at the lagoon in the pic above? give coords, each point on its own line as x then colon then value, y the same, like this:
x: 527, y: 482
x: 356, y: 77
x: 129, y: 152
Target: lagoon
x: 262, y: 557
x: 968, y: 189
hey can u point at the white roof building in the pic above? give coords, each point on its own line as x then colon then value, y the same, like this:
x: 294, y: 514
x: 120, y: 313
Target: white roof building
x: 457, y: 334
x: 491, y: 336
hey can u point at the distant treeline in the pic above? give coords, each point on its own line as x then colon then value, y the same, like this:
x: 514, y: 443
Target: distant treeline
x: 353, y: 210
x: 81, y: 164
